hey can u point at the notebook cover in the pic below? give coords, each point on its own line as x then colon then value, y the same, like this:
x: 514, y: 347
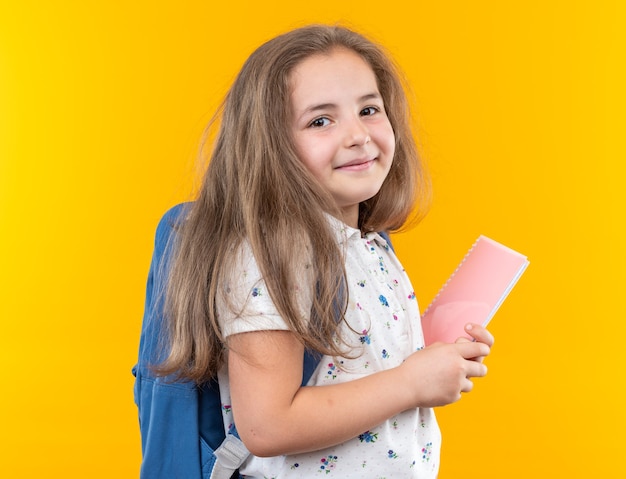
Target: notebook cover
x: 474, y: 292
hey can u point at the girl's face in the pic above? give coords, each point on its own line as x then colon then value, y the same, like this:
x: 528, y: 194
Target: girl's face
x: 340, y: 127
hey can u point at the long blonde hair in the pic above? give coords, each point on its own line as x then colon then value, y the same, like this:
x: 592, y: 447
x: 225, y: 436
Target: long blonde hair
x: 256, y: 189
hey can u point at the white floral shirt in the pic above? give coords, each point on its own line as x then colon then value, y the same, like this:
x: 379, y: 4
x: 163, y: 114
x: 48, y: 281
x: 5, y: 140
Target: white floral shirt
x: 382, y: 307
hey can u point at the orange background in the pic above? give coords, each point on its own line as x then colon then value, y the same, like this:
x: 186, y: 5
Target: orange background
x: 520, y: 113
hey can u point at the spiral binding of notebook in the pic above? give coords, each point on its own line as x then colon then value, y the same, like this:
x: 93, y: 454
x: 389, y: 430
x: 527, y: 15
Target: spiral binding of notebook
x: 433, y: 303
x: 474, y: 292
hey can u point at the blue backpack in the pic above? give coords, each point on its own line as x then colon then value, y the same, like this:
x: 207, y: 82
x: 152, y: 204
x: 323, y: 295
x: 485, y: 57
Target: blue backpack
x: 181, y: 425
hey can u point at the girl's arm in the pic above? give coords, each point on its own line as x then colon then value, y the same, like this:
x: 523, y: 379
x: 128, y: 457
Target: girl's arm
x: 275, y: 415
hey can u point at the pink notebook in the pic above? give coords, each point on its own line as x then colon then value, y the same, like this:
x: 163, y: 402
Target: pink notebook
x: 474, y: 292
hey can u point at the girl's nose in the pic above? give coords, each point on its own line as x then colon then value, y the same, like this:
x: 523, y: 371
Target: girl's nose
x: 357, y: 135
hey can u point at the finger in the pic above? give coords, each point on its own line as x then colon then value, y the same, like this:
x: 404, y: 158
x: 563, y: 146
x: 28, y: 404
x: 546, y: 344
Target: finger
x: 467, y: 386
x: 476, y: 370
x: 479, y: 334
x: 471, y: 350
x: 463, y: 339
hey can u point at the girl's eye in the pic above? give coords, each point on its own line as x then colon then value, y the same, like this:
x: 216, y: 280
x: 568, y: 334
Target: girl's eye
x: 369, y: 111
x: 319, y: 122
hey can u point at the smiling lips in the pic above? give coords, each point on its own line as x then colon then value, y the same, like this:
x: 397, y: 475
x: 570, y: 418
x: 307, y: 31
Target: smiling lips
x: 356, y: 165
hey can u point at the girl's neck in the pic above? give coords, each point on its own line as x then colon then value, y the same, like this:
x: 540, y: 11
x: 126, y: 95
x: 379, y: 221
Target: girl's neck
x: 350, y: 216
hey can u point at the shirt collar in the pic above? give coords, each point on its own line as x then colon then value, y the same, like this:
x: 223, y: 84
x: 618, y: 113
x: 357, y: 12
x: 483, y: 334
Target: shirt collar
x: 344, y: 233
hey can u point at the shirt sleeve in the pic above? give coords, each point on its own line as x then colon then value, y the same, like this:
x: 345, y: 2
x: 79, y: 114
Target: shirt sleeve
x: 245, y: 305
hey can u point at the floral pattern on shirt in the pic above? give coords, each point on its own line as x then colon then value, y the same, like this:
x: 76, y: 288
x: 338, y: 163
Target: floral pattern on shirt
x: 383, y: 324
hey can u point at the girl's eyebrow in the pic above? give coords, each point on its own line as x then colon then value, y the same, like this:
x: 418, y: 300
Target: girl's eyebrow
x: 331, y: 106
x: 371, y: 96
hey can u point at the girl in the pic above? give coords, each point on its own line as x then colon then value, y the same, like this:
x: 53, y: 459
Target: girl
x: 280, y: 253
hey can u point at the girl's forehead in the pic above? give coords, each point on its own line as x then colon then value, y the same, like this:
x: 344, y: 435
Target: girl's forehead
x: 324, y: 70
x: 339, y: 52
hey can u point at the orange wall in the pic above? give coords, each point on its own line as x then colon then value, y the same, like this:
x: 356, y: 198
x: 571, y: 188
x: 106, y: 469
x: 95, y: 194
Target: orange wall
x: 520, y: 114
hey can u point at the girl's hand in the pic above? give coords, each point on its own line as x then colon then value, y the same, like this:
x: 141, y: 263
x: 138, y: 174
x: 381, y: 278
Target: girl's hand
x: 439, y: 373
